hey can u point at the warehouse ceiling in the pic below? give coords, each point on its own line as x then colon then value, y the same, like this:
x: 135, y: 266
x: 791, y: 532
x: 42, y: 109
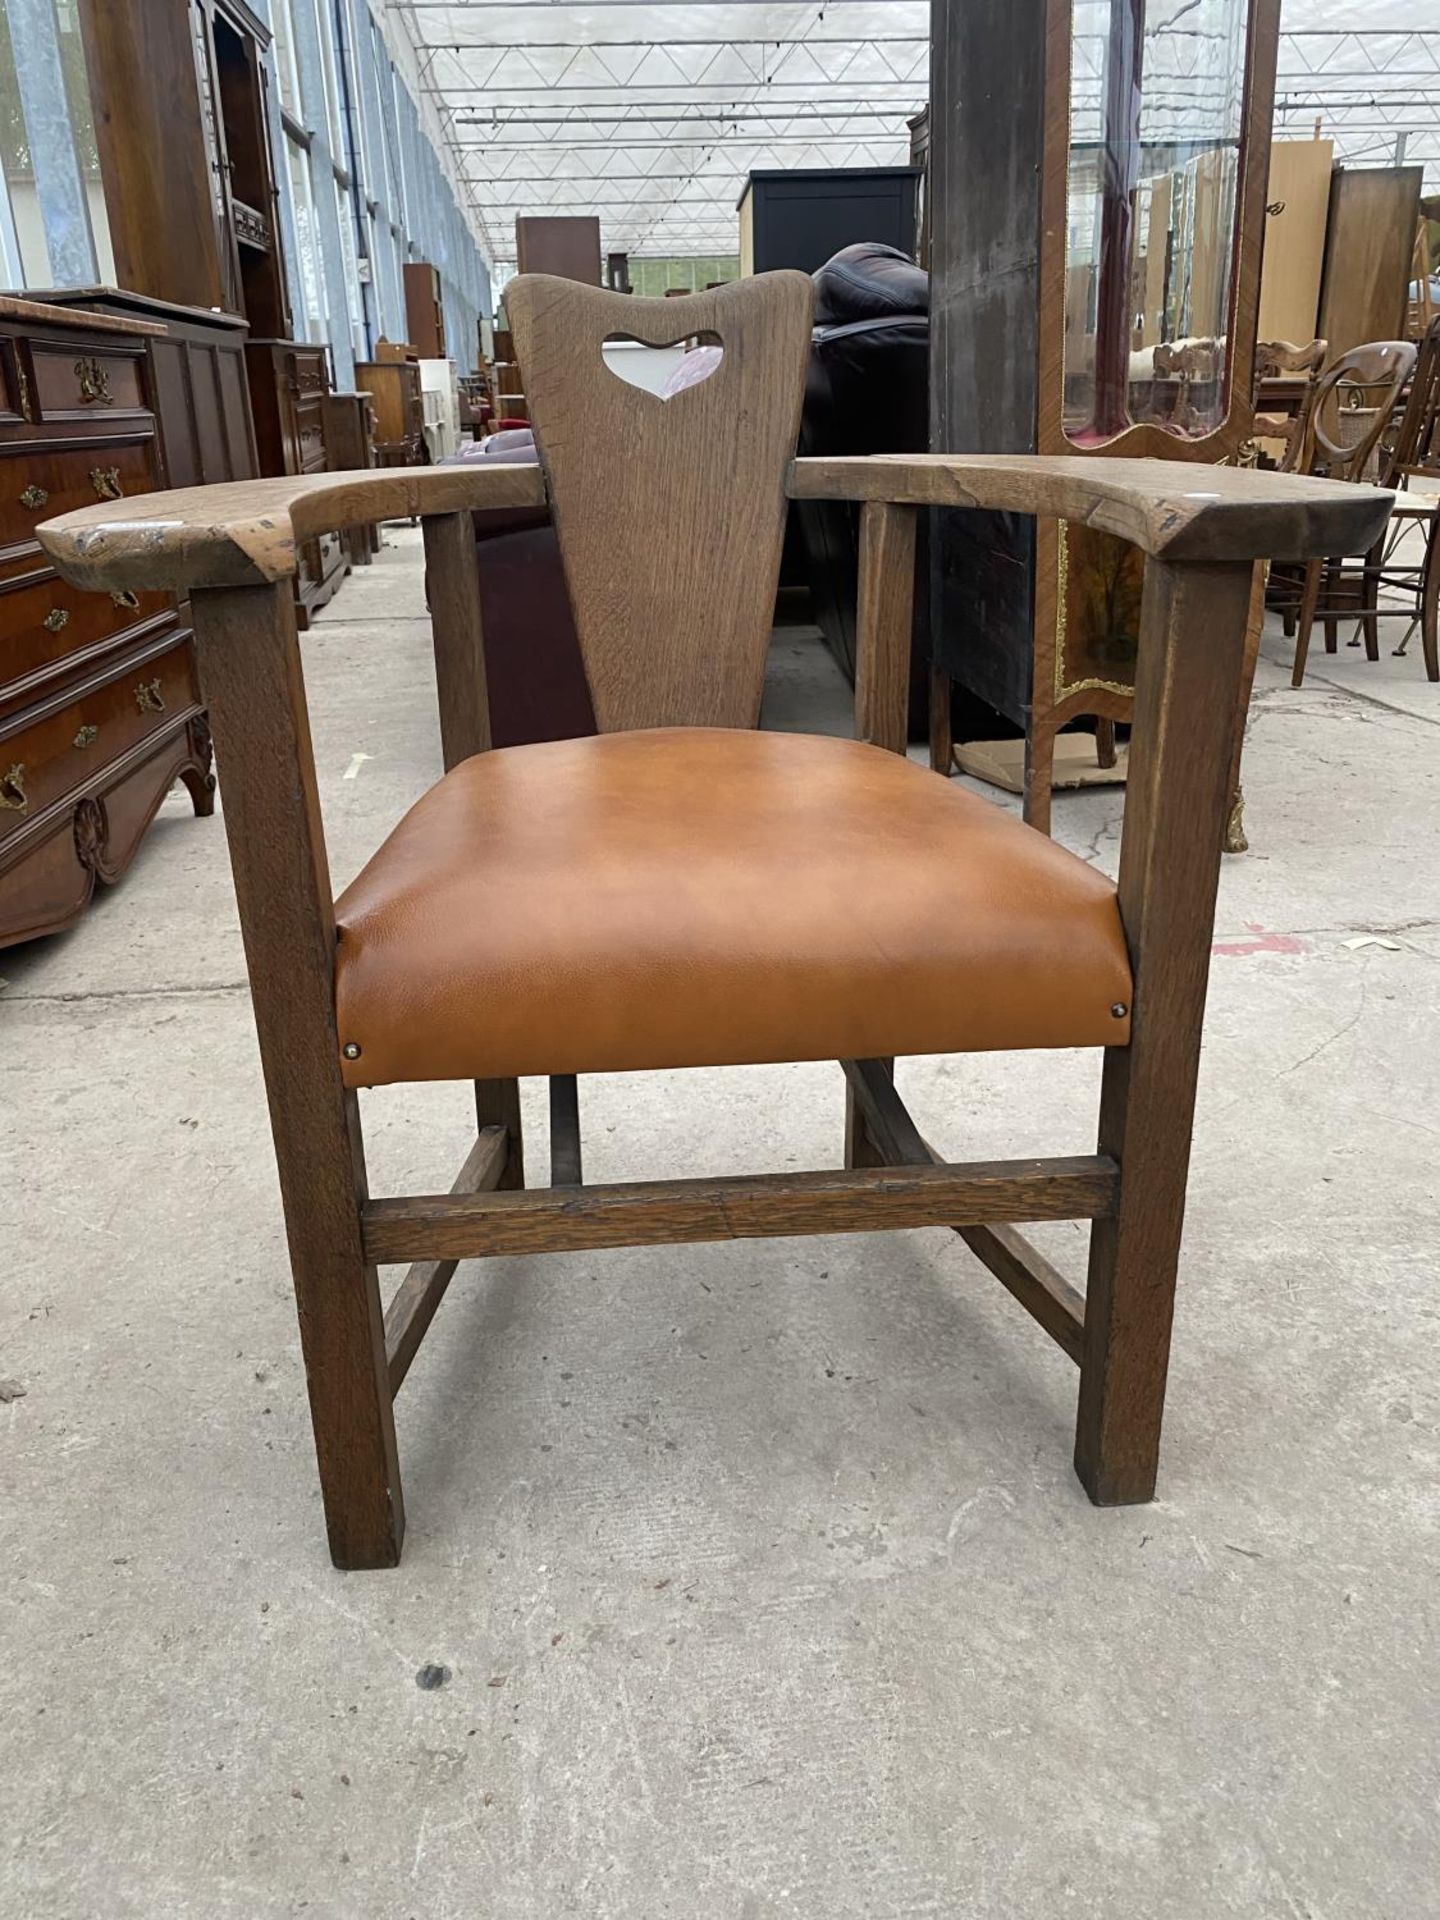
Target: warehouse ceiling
x: 652, y: 115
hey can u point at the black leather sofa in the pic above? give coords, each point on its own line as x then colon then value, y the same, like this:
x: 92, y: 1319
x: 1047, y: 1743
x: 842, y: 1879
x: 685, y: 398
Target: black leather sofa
x: 867, y: 391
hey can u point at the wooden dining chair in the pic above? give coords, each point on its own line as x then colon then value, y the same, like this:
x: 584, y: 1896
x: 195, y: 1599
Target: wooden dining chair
x: 682, y: 890
x: 1274, y: 360
x: 1404, y: 564
x: 1351, y: 408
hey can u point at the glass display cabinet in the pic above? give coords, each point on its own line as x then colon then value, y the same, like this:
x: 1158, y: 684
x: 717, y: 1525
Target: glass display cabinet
x: 1095, y: 235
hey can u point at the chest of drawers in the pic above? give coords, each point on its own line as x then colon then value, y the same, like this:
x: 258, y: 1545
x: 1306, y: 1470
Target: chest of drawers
x: 100, y: 709
x: 289, y: 382
x: 394, y: 389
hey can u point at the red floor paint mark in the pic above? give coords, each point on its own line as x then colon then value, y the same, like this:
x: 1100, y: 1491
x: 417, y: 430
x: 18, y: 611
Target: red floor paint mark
x: 1262, y: 943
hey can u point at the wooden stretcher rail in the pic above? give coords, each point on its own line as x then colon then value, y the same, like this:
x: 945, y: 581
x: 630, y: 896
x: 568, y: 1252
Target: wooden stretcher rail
x: 867, y: 1200
x: 1044, y: 1292
x: 413, y: 1307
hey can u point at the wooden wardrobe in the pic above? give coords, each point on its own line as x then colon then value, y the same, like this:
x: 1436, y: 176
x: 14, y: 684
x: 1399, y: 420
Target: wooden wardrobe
x: 187, y: 81
x: 1095, y: 227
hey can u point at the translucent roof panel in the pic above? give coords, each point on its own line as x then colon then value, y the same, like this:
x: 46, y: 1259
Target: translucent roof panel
x: 651, y: 116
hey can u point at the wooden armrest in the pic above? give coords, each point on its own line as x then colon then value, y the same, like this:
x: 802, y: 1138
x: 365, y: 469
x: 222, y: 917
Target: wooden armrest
x: 246, y: 532
x: 1175, y: 510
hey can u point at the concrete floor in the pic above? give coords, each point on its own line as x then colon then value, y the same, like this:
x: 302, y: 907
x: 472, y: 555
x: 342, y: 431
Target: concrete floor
x: 760, y: 1574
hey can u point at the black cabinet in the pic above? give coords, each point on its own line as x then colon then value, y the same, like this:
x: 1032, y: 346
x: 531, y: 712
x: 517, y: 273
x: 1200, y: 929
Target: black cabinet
x: 800, y: 218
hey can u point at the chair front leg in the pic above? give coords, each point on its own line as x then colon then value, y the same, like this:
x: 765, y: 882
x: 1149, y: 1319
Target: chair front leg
x: 250, y: 670
x: 1178, y: 792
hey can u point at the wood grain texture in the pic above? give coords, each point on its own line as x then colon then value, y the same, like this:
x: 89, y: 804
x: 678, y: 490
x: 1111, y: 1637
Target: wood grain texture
x: 1169, y: 509
x: 415, y: 1300
x: 497, y: 1104
x: 1044, y: 1292
x: 670, y: 513
x: 1369, y: 240
x: 1177, y: 798
x: 452, y: 589
x: 250, y: 663
x: 883, y: 621
x: 141, y: 64
x: 665, y: 1212
x: 248, y: 532
x: 38, y: 313
x: 1299, y: 187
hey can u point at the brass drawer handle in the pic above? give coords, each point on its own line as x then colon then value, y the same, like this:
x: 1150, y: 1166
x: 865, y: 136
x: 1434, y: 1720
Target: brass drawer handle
x: 57, y: 619
x: 13, y: 797
x: 94, y: 383
x: 148, y: 697
x: 106, y: 482
x: 86, y: 737
x: 123, y: 597
x: 33, y: 497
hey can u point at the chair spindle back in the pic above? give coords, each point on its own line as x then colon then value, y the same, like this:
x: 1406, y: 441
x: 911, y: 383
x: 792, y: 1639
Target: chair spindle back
x: 1353, y: 404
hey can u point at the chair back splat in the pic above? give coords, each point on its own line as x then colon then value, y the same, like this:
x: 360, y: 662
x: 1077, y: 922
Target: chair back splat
x: 670, y: 512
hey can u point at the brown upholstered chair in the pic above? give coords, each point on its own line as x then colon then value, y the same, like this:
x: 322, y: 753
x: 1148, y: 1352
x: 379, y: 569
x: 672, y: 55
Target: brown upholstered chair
x: 681, y: 890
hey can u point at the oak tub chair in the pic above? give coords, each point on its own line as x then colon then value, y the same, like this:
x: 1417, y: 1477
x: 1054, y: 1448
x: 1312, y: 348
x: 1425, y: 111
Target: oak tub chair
x: 683, y: 890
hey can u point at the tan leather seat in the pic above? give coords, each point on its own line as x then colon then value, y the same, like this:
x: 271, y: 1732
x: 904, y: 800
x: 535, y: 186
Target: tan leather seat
x: 702, y: 897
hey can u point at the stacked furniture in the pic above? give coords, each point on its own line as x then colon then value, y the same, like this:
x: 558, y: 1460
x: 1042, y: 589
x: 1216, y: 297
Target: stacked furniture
x: 350, y: 443
x: 99, y: 704
x: 289, y: 385
x: 510, y: 404
x: 424, y: 310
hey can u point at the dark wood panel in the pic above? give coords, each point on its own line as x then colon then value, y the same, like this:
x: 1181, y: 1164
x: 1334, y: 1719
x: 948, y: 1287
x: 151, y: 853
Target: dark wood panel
x: 87, y: 384
x: 1369, y: 244
x: 424, y: 310
x: 197, y: 376
x: 563, y: 244
x: 234, y: 402
x: 802, y: 216
x: 140, y: 61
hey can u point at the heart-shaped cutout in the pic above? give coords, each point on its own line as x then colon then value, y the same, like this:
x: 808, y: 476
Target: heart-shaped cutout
x: 662, y: 371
